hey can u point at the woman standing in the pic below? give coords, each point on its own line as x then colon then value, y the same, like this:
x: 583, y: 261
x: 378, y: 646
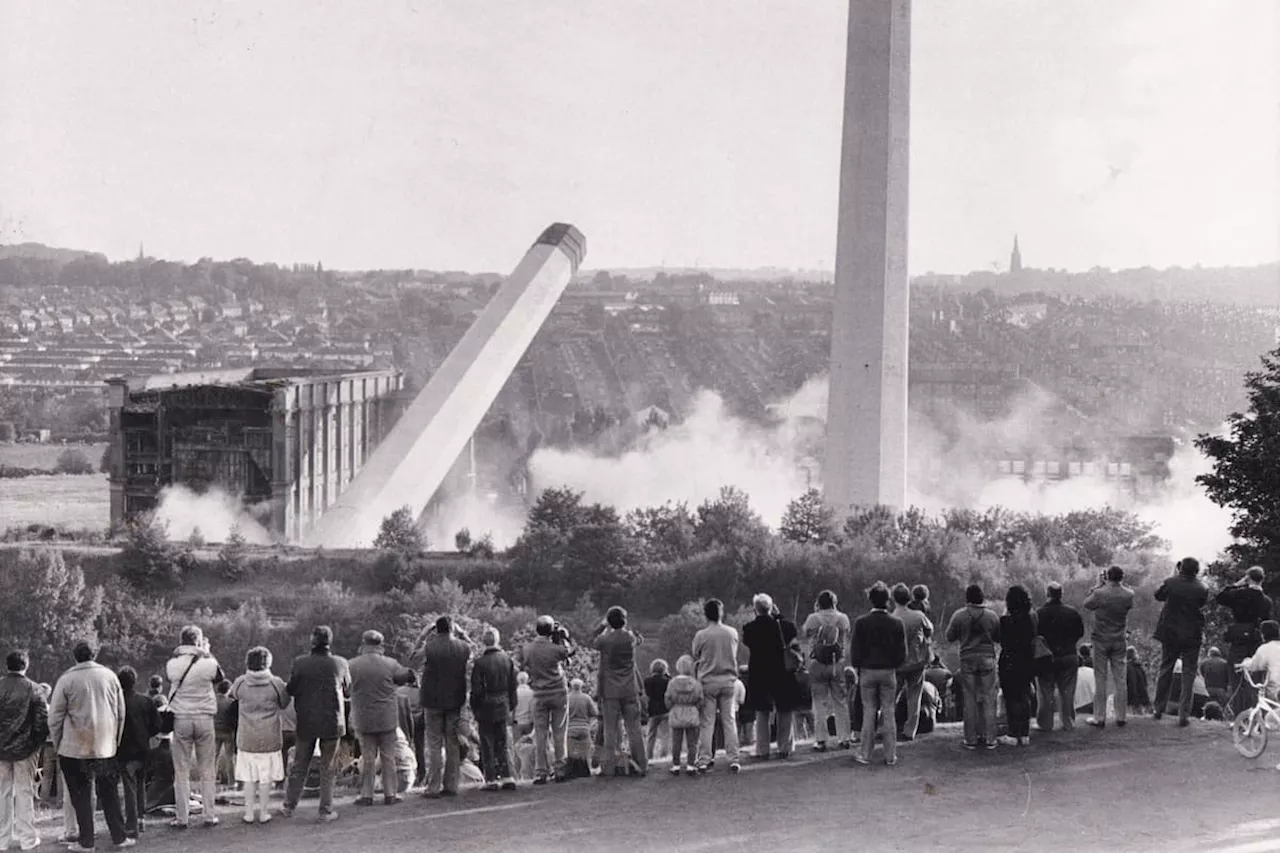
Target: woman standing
x: 1017, y: 664
x: 261, y: 697
x: 772, y: 691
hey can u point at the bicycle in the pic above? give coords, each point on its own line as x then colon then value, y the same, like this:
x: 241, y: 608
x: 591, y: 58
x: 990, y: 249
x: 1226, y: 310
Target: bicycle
x: 1250, y: 728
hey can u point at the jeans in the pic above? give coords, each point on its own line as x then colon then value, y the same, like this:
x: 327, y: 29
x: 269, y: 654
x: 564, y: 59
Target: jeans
x: 374, y: 745
x: 912, y: 684
x: 225, y: 762
x: 657, y: 725
x: 494, y: 750
x: 628, y: 711
x: 420, y: 744
x: 1060, y: 685
x: 18, y: 802
x: 718, y: 703
x: 1169, y: 656
x: 549, y: 718
x: 978, y: 681
x: 442, y: 740
x: 1110, y: 657
x: 829, y: 700
x: 879, y: 688
x: 303, y: 755
x: 1016, y: 686
x: 1244, y: 696
x: 133, y: 779
x: 194, y: 734
x: 85, y: 775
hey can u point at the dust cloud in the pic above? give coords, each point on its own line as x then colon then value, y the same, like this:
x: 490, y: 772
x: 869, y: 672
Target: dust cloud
x: 214, y: 513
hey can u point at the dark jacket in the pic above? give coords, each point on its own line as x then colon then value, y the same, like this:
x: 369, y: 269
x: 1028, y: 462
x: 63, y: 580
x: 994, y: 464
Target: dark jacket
x: 1061, y: 626
x: 320, y: 684
x: 1181, y: 623
x: 493, y: 686
x: 444, y: 673
x: 24, y: 717
x: 1249, y: 608
x: 1018, y: 644
x: 769, y: 685
x: 655, y: 688
x: 879, y: 641
x: 141, y: 723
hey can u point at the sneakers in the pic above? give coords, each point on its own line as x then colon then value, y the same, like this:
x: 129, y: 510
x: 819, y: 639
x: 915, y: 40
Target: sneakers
x: 1096, y: 723
x: 991, y: 745
x: 249, y: 818
x: 363, y: 801
x: 735, y: 767
x: 537, y: 780
x: 128, y: 842
x: 211, y: 821
x: 820, y: 747
x: 328, y: 817
x: 675, y: 771
x: 691, y: 772
x: 891, y: 762
x: 969, y: 745
x: 860, y: 760
x: 265, y: 817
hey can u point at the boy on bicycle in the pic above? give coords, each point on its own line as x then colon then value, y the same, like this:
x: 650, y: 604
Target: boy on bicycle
x: 1267, y: 658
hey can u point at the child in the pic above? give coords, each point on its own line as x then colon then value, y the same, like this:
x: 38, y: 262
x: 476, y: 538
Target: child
x: 259, y: 741
x: 1267, y: 658
x: 579, y: 716
x: 684, y: 702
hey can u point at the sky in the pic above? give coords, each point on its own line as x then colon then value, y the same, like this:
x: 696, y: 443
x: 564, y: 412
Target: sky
x: 446, y: 135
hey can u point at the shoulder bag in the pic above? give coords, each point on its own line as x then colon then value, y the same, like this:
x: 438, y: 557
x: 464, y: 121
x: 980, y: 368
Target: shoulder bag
x: 166, y: 715
x: 792, y: 661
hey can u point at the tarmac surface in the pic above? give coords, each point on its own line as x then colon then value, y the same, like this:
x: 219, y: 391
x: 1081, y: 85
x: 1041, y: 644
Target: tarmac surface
x: 1148, y: 787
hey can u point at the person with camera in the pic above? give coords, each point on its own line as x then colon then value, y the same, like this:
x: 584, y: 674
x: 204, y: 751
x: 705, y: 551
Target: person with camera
x: 1110, y: 602
x: 1180, y: 631
x: 620, y: 689
x: 193, y: 673
x: 544, y: 659
x: 1249, y: 607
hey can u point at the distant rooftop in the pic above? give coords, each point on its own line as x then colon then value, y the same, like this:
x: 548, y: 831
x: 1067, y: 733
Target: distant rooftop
x: 263, y: 377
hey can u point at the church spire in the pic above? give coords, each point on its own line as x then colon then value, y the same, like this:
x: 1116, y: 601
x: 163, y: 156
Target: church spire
x: 1015, y: 259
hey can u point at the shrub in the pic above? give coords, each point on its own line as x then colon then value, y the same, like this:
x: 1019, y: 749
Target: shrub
x: 148, y: 560
x: 72, y: 461
x: 400, y: 532
x: 232, y: 561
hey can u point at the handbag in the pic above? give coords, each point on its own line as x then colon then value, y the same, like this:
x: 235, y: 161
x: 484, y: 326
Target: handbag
x: 166, y: 715
x: 792, y: 660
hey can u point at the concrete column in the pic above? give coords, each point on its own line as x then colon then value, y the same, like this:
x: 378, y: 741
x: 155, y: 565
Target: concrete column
x: 117, y: 395
x: 307, y: 456
x: 867, y: 408
x: 332, y: 444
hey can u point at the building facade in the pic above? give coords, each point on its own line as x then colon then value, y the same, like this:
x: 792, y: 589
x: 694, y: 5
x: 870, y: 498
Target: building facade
x: 287, y: 442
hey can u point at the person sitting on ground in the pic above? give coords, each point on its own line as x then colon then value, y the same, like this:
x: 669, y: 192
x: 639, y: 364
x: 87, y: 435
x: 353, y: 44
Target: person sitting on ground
x: 1214, y: 670
x: 1136, y: 674
x: 683, y: 702
x: 1086, y: 681
x: 1267, y: 659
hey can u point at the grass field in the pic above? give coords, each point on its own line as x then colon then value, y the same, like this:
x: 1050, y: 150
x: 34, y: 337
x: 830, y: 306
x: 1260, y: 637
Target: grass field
x: 45, y: 456
x: 62, y: 500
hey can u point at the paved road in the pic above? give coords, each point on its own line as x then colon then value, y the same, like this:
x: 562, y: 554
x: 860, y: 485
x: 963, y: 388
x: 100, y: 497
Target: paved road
x: 1151, y: 787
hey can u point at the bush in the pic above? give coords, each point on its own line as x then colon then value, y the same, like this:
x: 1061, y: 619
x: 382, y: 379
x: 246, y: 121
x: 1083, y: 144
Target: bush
x: 400, y: 532
x: 232, y: 561
x: 148, y: 560
x: 73, y: 462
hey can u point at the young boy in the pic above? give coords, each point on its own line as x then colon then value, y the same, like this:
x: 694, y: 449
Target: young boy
x: 1267, y: 658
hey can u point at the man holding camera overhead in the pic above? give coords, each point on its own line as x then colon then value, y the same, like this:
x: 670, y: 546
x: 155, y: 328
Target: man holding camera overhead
x: 544, y: 659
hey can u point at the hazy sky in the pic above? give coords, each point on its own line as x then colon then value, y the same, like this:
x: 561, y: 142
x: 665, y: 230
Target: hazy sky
x: 447, y: 134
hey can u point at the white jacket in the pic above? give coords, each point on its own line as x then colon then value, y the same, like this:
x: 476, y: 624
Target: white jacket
x: 86, y: 712
x: 195, y: 697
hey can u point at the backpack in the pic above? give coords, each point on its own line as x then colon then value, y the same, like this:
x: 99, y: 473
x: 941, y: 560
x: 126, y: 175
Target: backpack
x: 826, y: 647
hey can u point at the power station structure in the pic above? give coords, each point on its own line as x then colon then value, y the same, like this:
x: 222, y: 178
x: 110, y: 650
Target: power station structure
x: 866, y: 448
x: 413, y: 460
x: 285, y: 440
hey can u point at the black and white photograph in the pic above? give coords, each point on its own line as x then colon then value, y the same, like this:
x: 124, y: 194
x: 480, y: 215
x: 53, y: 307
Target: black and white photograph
x: 681, y: 425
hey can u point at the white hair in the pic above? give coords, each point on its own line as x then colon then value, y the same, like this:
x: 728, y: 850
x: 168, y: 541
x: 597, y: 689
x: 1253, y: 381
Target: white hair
x: 490, y: 637
x: 763, y: 602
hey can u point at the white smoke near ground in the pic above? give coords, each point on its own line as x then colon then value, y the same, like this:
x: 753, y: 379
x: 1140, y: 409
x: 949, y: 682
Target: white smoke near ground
x: 480, y: 514
x: 213, y: 513
x: 690, y: 461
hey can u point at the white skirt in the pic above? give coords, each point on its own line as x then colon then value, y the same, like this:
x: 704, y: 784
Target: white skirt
x: 259, y: 766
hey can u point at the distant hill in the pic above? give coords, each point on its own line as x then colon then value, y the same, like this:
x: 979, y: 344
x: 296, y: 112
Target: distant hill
x: 41, y: 252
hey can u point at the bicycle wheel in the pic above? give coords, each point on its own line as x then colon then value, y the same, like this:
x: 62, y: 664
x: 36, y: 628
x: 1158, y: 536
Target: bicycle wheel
x: 1249, y: 733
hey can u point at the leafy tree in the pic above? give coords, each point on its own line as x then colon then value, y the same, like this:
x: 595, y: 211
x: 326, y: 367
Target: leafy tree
x: 148, y: 559
x: 1246, y: 467
x: 71, y: 461
x: 50, y: 610
x: 559, y: 509
x: 666, y: 532
x: 232, y: 560
x: 729, y: 522
x: 399, y: 532
x: 808, y: 519
x: 462, y: 540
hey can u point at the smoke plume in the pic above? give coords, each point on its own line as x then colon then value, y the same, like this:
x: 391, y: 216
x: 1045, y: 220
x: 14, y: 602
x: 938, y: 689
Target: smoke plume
x: 214, y: 513
x: 690, y: 461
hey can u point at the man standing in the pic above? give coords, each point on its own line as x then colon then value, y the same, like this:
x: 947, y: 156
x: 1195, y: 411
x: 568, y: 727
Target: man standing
x: 1249, y: 607
x: 919, y: 652
x: 320, y: 684
x: 193, y: 674
x: 375, y: 715
x: 544, y: 659
x: 715, y: 662
x: 621, y: 689
x: 444, y: 692
x: 1110, y: 602
x: 977, y: 629
x: 493, y: 698
x: 24, y: 727
x: 1180, y: 631
x: 86, y: 720
x: 1062, y: 628
x: 879, y: 648
x: 826, y: 630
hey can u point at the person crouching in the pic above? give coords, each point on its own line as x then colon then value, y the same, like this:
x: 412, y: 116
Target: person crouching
x: 684, y: 715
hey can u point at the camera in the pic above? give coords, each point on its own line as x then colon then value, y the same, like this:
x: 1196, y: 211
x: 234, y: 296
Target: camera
x: 559, y: 634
